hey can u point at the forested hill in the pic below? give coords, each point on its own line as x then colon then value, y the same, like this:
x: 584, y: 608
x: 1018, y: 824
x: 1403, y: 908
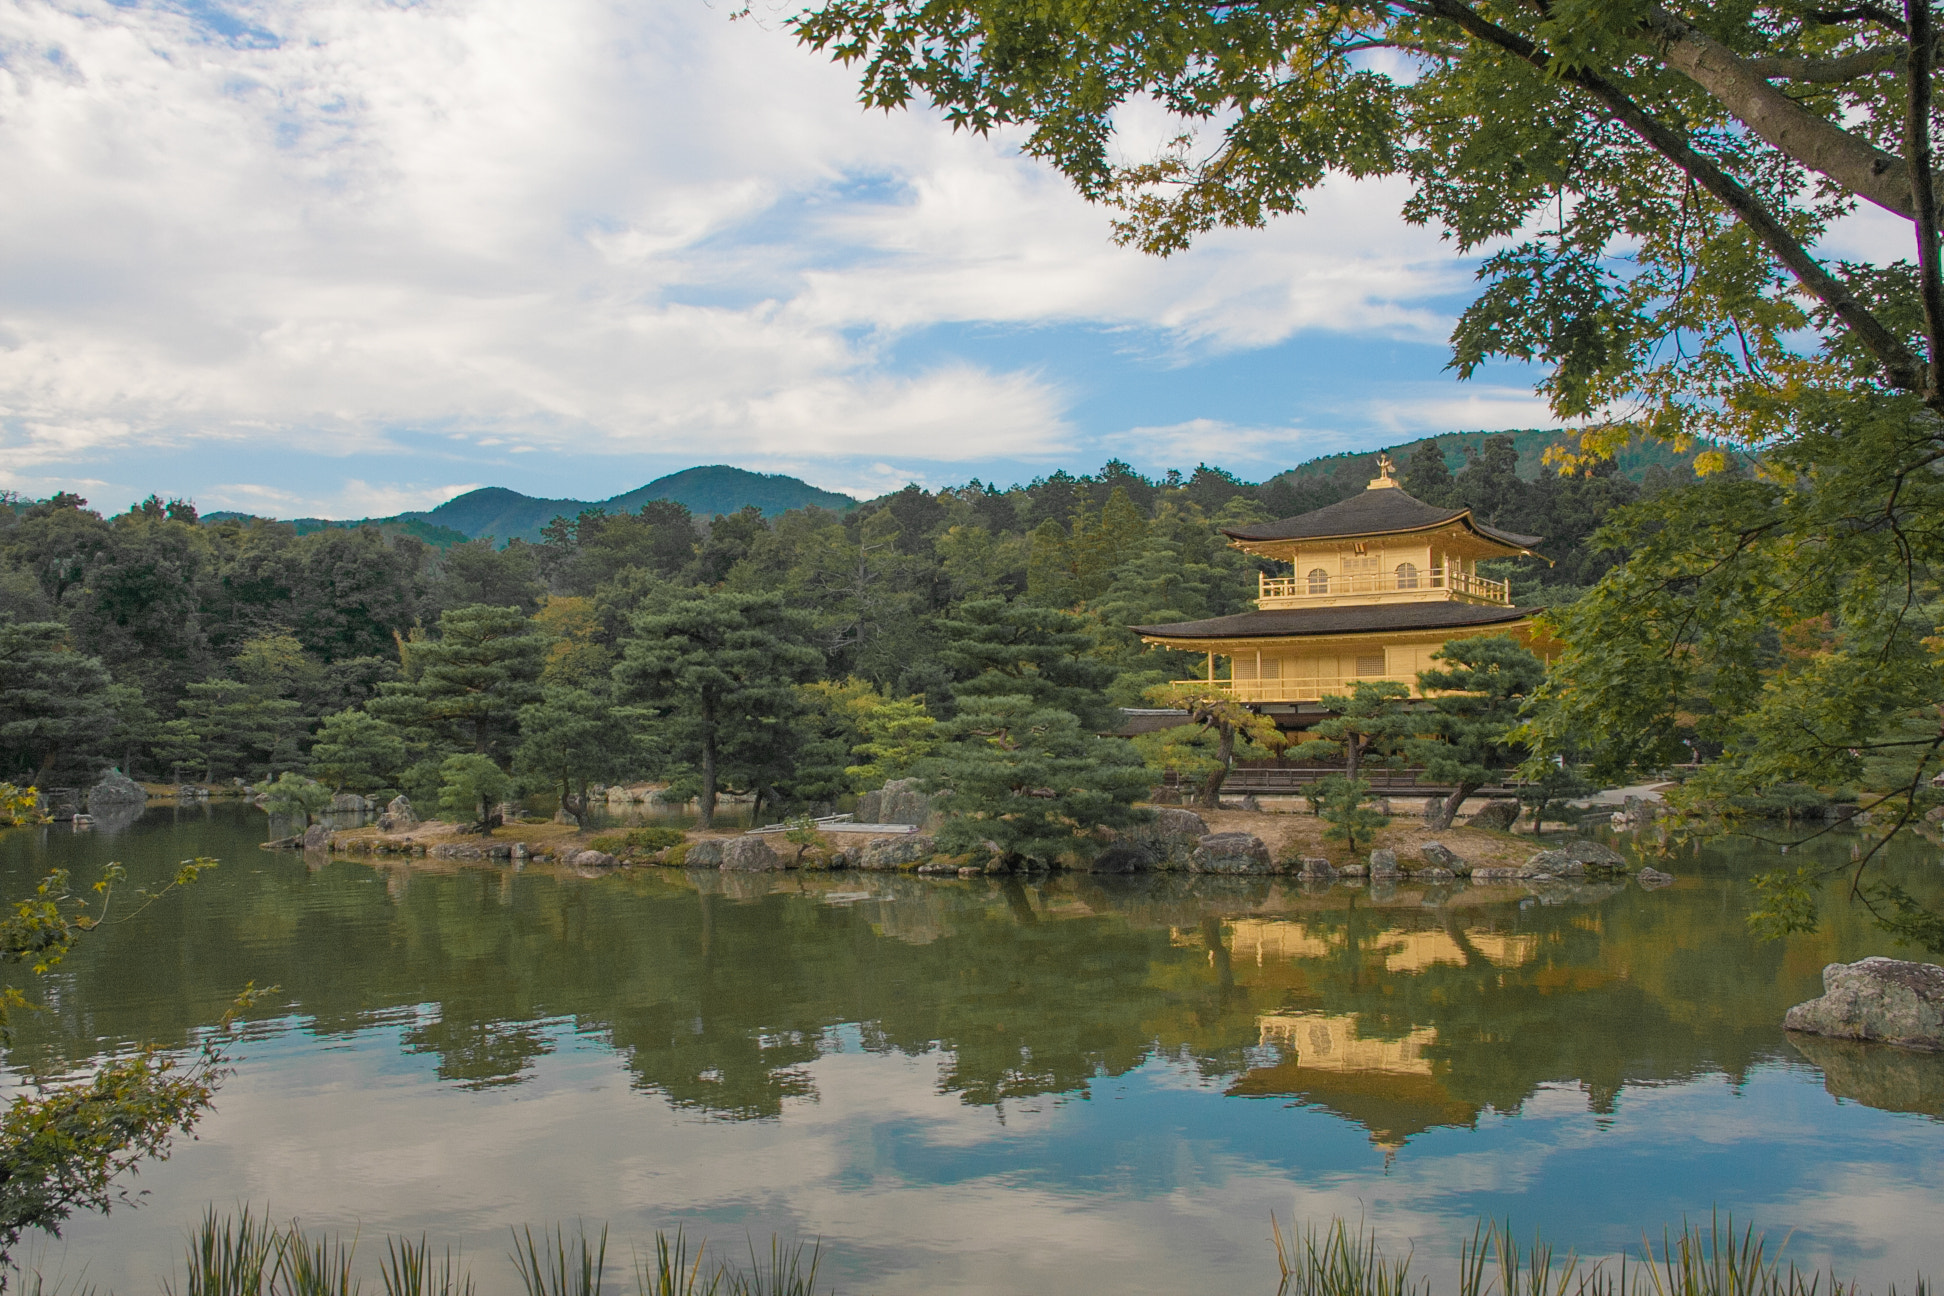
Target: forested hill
x: 508, y: 515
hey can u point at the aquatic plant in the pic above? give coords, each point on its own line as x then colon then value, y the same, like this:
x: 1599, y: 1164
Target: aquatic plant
x: 314, y: 1266
x: 671, y: 1273
x: 553, y: 1267
x: 784, y: 1274
x: 410, y: 1270
x: 230, y: 1255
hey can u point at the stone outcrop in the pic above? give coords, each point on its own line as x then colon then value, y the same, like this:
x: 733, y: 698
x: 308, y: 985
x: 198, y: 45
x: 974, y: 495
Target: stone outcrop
x: 1653, y: 879
x: 349, y: 803
x: 401, y: 815
x: 1317, y: 870
x: 749, y: 855
x: 1439, y: 855
x: 1383, y: 865
x: 1493, y: 873
x: 1552, y: 864
x: 705, y: 854
x: 316, y: 837
x: 1891, y: 1001
x: 1495, y: 814
x: 889, y: 854
x: 116, y: 789
x: 1232, y: 852
x: 1166, y: 842
x: 901, y: 801
x: 591, y: 859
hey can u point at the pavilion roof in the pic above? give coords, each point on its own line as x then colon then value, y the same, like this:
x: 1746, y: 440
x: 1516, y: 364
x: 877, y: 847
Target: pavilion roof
x: 1380, y: 510
x: 1357, y: 619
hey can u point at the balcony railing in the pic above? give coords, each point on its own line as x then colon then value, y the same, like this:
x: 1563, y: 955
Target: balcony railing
x: 1433, y: 578
x: 1295, y: 688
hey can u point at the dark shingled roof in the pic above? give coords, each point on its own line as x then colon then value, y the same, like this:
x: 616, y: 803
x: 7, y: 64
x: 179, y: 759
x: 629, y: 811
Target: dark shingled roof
x: 1383, y: 510
x: 1337, y: 620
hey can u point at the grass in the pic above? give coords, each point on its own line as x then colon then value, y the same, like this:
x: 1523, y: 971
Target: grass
x: 1711, y: 1260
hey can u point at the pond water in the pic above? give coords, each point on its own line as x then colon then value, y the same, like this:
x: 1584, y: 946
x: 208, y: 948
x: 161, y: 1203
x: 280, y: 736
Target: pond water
x: 976, y: 1086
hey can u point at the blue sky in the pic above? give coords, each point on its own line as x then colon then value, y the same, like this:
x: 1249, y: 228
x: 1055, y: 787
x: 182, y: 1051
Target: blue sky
x: 347, y: 257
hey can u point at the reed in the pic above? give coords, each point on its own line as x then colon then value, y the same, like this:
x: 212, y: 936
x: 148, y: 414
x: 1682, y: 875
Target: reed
x: 314, y: 1266
x: 230, y: 1255
x: 553, y: 1267
x: 671, y: 1273
x: 785, y: 1274
x: 409, y: 1269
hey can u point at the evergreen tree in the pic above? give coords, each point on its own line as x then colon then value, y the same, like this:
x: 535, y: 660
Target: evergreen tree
x: 1374, y: 718
x: 464, y: 689
x: 1000, y: 649
x: 1468, y: 735
x: 357, y: 752
x: 471, y: 786
x: 569, y: 739
x: 714, y: 674
x: 54, y: 704
x: 1426, y: 474
x: 1218, y: 730
x: 1027, y: 779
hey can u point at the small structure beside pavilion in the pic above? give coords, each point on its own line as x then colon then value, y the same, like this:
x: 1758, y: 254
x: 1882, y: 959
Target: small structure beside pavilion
x: 1377, y: 584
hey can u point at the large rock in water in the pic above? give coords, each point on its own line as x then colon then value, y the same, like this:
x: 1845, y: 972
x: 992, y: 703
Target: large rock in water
x: 901, y: 801
x: 1552, y: 864
x: 886, y: 854
x: 400, y: 813
x: 116, y: 789
x: 705, y: 854
x: 749, y: 855
x: 1383, y: 864
x: 1165, y: 842
x: 1232, y: 852
x: 1892, y: 1001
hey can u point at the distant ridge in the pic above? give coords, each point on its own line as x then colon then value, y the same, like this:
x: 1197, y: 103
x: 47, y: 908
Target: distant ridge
x: 508, y: 515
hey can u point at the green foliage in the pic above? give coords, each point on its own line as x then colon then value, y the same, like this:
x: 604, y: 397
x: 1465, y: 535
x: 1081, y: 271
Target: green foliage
x: 568, y: 740
x: 1470, y: 735
x: 553, y: 1267
x: 1219, y: 731
x: 295, y: 796
x: 1373, y: 720
x: 714, y: 676
x: 639, y: 842
x: 1343, y: 803
x: 1544, y: 784
x: 465, y: 688
x: 1000, y: 649
x: 410, y: 1269
x: 469, y: 787
x: 54, y: 702
x: 1025, y: 781
x: 357, y: 752
x: 897, y: 734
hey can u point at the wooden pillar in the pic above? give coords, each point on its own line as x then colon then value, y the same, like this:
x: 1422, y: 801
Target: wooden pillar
x: 1211, y: 668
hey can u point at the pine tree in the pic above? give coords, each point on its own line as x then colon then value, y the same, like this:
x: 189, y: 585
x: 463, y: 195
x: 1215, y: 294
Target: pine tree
x: 1467, y: 736
x: 464, y: 689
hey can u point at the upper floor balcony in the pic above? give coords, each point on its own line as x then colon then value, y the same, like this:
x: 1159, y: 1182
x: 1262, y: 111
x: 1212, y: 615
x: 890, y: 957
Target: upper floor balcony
x: 1403, y: 583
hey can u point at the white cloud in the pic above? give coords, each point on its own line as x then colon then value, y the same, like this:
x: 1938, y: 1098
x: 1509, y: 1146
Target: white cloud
x: 1476, y: 407
x: 581, y: 225
x: 355, y: 498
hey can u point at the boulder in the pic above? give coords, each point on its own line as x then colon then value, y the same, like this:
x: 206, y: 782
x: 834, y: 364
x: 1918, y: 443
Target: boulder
x: 316, y: 837
x: 1383, y: 864
x: 1354, y: 871
x: 749, y: 855
x: 115, y: 789
x: 401, y: 814
x: 1493, y: 873
x: 1434, y: 873
x: 1653, y: 879
x: 1122, y: 857
x: 1597, y: 858
x: 1892, y: 1001
x: 1552, y: 864
x: 945, y: 868
x: 886, y: 854
x: 1231, y: 852
x: 1438, y: 855
x: 1495, y: 814
x: 567, y: 817
x: 349, y: 803
x: 705, y: 854
x: 1168, y: 840
x: 1177, y: 823
x: 1320, y: 870
x: 901, y: 801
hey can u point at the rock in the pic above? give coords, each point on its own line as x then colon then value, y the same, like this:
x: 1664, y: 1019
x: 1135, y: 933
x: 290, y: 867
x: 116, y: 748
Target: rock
x: 593, y: 859
x: 349, y: 803
x: 1597, y: 858
x: 1232, y: 852
x: 519, y: 851
x: 1251, y: 805
x: 1934, y: 815
x: 1122, y: 857
x: 892, y: 853
x: 1383, y: 864
x: 115, y: 789
x: 705, y: 854
x: 1435, y: 874
x: 1354, y: 871
x: 937, y: 867
x: 1319, y: 869
x: 1495, y: 814
x: 1381, y: 805
x: 1653, y: 879
x: 1177, y: 823
x: 1552, y: 864
x: 1168, y: 840
x: 316, y: 837
x: 401, y: 814
x: 749, y: 855
x: 1892, y: 1001
x: 901, y: 801
x: 1438, y: 855
x: 1493, y: 873
x: 566, y: 816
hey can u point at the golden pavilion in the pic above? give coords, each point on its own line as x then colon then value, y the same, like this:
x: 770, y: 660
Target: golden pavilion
x: 1378, y: 583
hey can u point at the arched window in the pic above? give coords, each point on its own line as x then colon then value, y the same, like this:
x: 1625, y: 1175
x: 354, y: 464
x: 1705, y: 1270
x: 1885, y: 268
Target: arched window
x: 1319, y: 581
x: 1407, y: 575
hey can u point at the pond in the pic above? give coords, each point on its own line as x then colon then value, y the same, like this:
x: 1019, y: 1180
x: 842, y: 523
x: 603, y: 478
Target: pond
x: 984, y: 1086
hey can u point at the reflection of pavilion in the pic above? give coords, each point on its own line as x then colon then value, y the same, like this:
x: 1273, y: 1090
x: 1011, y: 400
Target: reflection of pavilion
x: 1385, y: 1085
x: 1389, y: 1086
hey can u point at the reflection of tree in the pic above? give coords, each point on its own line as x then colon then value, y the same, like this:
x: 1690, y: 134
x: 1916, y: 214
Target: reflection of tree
x: 721, y: 1004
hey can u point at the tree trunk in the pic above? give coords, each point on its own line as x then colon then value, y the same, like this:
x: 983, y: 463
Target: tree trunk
x: 1211, y: 792
x: 1439, y: 814
x: 1352, y: 756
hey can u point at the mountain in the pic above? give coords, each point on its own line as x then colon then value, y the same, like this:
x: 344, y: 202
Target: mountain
x: 1632, y: 461
x: 508, y: 515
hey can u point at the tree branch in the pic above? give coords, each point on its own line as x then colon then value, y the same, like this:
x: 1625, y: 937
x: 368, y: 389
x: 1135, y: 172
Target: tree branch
x: 1901, y: 368
x: 1809, y: 138
x: 1866, y: 12
x: 1887, y: 58
x: 1917, y: 144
